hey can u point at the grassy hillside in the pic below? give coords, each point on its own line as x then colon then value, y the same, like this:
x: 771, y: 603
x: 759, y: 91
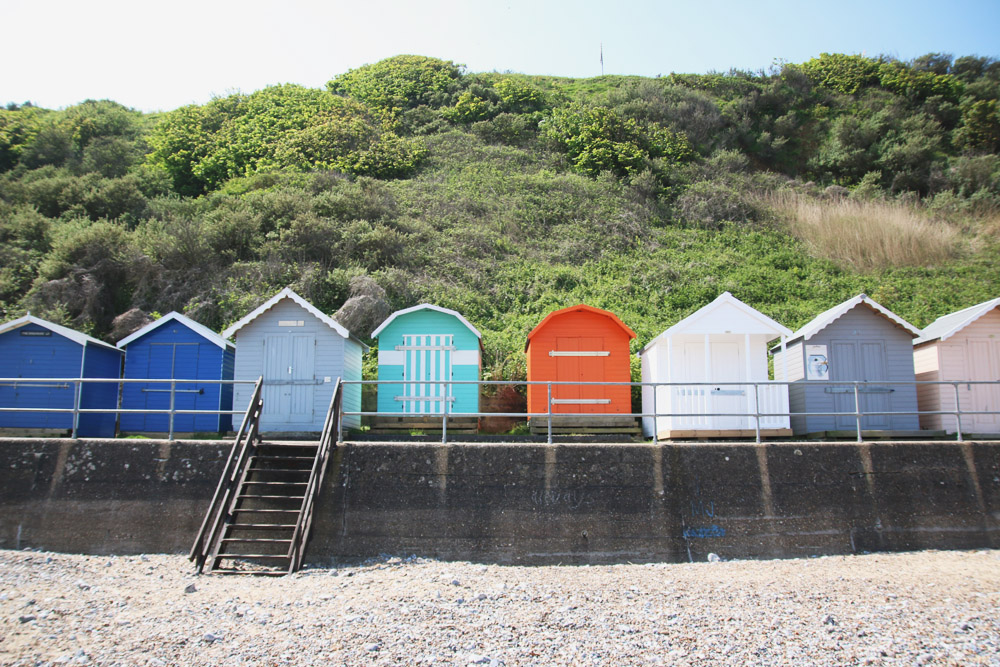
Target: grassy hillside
x: 506, y: 196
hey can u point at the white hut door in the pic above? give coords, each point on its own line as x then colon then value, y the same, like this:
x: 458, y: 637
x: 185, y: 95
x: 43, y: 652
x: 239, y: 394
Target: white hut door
x: 728, y: 366
x: 276, y: 391
x: 984, y: 358
x: 289, y: 377
x: 428, y: 359
x: 303, y: 377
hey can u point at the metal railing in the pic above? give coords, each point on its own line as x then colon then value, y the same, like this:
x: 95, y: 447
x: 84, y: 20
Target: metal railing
x: 752, y: 391
x: 224, y: 499
x: 693, y: 401
x: 327, y: 440
x: 77, y: 385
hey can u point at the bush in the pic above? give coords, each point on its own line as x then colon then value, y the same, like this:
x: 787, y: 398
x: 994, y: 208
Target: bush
x: 399, y: 83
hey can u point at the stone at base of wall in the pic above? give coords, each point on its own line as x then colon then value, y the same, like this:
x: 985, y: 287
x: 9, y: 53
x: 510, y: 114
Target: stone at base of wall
x: 527, y: 503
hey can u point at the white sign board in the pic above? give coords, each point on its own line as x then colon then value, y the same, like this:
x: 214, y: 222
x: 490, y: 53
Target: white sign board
x: 817, y: 363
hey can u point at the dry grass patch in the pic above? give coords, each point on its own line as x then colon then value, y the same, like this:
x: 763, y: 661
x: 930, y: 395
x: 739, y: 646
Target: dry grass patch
x: 866, y: 235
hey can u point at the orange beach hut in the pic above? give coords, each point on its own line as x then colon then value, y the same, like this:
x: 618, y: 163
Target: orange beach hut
x: 579, y: 344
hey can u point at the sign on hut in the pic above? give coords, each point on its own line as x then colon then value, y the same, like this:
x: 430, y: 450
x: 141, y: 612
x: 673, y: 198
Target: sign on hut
x: 178, y: 348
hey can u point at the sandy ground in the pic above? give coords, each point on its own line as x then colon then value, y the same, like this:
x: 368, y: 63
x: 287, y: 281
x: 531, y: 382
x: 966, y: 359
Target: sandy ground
x: 936, y: 608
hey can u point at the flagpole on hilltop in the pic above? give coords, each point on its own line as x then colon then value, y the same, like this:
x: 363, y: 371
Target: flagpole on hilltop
x: 602, y: 58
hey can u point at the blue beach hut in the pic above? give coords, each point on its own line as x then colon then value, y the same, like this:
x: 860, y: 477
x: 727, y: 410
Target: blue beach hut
x: 35, y: 348
x: 428, y: 343
x: 177, y: 347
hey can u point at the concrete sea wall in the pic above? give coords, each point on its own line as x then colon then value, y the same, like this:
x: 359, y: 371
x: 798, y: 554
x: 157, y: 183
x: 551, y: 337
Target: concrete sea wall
x: 527, y: 503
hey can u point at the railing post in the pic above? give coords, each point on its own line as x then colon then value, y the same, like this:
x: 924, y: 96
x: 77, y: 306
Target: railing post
x: 444, y: 421
x: 958, y: 413
x: 857, y: 409
x: 340, y: 419
x: 756, y: 410
x: 77, y: 397
x: 550, y: 412
x: 656, y: 426
x: 173, y: 385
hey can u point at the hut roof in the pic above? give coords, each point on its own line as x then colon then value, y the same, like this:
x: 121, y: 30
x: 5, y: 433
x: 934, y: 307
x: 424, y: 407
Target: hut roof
x: 579, y: 308
x: 948, y: 325
x: 695, y: 322
x: 75, y: 336
x: 174, y: 316
x: 425, y: 306
x: 827, y: 317
x: 287, y: 293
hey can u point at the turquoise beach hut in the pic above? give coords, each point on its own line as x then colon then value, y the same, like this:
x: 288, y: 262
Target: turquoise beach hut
x: 428, y: 343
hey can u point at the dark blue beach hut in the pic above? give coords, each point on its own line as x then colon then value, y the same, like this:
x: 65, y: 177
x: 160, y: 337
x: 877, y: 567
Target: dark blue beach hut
x: 176, y: 347
x: 31, y: 347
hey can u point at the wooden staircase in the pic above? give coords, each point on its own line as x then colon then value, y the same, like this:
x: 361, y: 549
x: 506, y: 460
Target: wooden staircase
x: 260, y: 518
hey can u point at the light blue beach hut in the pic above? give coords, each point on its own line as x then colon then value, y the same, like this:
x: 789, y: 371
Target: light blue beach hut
x: 428, y: 343
x: 300, y: 352
x: 177, y: 347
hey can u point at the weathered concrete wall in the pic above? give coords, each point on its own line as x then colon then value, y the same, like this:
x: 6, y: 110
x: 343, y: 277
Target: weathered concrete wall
x: 106, y: 496
x: 580, y: 503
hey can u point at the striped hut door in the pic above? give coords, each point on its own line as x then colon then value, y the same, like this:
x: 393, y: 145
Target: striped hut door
x: 428, y: 359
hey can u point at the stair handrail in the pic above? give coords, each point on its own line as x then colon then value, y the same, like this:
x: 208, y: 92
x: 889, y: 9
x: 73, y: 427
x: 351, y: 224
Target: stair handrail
x: 327, y: 441
x: 246, y: 438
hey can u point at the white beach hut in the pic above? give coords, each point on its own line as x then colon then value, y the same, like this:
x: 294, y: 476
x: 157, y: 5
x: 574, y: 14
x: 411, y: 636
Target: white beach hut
x: 724, y: 342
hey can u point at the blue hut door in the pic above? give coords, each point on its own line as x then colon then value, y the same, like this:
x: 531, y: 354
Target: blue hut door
x: 289, y: 377
x: 428, y: 359
x: 167, y: 361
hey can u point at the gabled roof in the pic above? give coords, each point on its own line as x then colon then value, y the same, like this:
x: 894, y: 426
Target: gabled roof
x: 173, y: 316
x: 287, y: 293
x: 947, y: 326
x: 425, y: 306
x: 827, y: 317
x: 692, y: 324
x: 581, y: 308
x: 75, y: 336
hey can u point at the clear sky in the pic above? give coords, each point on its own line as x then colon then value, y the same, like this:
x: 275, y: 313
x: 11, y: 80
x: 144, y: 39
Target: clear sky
x: 162, y: 55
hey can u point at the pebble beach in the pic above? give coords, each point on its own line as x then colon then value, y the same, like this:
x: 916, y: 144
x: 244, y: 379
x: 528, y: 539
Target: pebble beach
x: 925, y: 608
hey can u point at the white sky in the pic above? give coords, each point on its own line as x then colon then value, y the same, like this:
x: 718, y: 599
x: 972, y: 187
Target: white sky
x: 159, y: 56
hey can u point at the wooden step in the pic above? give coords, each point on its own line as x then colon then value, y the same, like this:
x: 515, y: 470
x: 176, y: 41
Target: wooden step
x: 254, y: 556
x: 254, y: 540
x: 275, y: 484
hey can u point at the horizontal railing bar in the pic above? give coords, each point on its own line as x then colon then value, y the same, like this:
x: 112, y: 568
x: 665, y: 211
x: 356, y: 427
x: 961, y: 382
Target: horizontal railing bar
x: 760, y: 383
x: 125, y: 380
x: 127, y: 411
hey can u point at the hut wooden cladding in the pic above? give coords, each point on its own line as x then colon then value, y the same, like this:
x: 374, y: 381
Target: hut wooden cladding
x: 580, y: 344
x: 964, y: 345
x: 422, y: 344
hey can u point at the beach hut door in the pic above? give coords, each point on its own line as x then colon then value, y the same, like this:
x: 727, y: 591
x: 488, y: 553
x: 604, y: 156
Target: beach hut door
x: 984, y: 357
x: 861, y: 360
x: 289, y: 377
x: 428, y: 358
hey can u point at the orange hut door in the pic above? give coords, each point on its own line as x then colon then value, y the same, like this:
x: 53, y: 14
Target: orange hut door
x: 579, y: 359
